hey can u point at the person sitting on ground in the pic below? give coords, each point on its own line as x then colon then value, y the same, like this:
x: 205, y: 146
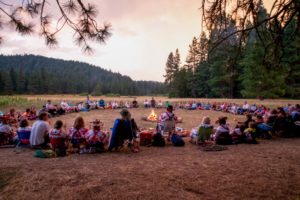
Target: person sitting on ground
x: 222, y: 136
x: 26, y: 114
x: 135, y: 103
x: 102, y: 104
x: 159, y: 104
x: 115, y: 105
x: 246, y: 107
x: 295, y: 113
x: 153, y: 103
x: 252, y: 108
x: 250, y: 133
x: 281, y: 125
x: 77, y: 135
x: 146, y: 104
x: 267, y: 127
x: 167, y: 122
x: 6, y: 132
x: 121, y: 105
x: 244, y: 125
x: 124, y: 129
x: 66, y: 107
x: 58, y: 138
x: 97, y: 140
x: 39, y: 137
x: 23, y: 132
x: 32, y: 113
x: 51, y: 108
x: 194, y: 106
x: 127, y: 105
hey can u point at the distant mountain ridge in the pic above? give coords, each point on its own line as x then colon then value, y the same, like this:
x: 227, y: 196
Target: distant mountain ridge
x: 33, y: 74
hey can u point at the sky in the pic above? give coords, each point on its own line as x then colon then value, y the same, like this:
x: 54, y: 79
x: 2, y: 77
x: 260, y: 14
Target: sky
x: 144, y: 32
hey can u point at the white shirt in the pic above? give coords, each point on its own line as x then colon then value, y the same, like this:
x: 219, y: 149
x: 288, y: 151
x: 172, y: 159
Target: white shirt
x: 246, y: 106
x: 39, y: 130
x: 4, y: 128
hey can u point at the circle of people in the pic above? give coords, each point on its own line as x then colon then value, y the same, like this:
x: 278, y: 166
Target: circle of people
x: 284, y: 121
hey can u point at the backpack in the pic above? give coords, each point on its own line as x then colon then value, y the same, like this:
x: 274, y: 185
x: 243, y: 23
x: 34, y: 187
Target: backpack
x: 177, y: 141
x: 158, y: 140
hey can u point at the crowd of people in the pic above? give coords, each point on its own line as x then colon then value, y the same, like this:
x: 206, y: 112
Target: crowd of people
x: 260, y: 122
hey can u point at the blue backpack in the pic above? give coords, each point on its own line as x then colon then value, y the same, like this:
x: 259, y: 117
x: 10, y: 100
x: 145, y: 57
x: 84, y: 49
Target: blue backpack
x: 177, y: 141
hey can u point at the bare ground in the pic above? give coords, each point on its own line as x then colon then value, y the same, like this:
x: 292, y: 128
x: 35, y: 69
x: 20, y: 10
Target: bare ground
x: 269, y: 170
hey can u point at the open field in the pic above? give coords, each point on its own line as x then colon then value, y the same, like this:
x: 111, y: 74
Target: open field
x: 269, y: 170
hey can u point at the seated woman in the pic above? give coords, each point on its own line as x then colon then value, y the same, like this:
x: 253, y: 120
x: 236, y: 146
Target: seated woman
x: 77, y: 135
x: 203, y: 132
x: 96, y: 139
x: 6, y: 133
x: 109, y: 105
x: 222, y: 136
x: 124, y: 128
x: 102, y: 104
x: 281, y: 124
x: 58, y: 137
x: 127, y: 105
x: 23, y: 132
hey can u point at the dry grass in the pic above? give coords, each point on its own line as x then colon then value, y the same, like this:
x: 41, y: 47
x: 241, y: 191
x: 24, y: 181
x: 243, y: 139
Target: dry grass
x: 269, y: 170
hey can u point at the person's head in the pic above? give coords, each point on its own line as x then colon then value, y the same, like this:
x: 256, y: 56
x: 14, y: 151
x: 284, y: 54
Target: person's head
x: 274, y: 112
x: 43, y: 116
x: 24, y: 123
x: 259, y: 117
x: 28, y: 110
x: 222, y: 120
x: 78, y: 123
x: 170, y: 108
x: 125, y: 114
x: 281, y: 111
x: 49, y: 101
x: 96, y: 124
x: 12, y: 111
x: 206, y: 120
x: 252, y: 124
x: 249, y: 117
x: 58, y: 124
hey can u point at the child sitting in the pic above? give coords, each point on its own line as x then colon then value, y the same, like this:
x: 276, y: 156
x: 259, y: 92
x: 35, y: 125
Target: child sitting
x: 205, y: 130
x: 77, y: 135
x: 23, y: 132
x: 96, y: 139
x: 58, y: 137
x: 250, y: 133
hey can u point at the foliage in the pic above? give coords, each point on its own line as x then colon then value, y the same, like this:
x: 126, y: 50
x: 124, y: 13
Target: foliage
x: 29, y: 16
x: 241, y: 65
x: 31, y: 74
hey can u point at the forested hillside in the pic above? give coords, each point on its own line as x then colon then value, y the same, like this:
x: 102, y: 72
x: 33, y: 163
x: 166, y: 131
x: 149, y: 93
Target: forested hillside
x: 29, y: 74
x: 242, y: 66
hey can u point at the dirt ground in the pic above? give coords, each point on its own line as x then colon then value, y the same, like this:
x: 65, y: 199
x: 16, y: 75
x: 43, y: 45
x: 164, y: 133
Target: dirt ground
x: 269, y: 170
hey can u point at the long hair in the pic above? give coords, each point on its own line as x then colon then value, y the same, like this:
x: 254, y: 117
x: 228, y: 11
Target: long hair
x: 78, y: 123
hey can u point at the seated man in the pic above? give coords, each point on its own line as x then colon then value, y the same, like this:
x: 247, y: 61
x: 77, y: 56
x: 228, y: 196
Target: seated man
x: 39, y: 133
x: 51, y: 108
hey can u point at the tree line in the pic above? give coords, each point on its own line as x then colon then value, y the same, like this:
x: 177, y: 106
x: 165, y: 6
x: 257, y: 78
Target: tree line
x: 245, y: 65
x: 30, y: 74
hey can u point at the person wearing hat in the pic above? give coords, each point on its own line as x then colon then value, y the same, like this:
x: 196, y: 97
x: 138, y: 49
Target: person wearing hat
x: 222, y: 135
x: 125, y: 128
x: 96, y: 139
